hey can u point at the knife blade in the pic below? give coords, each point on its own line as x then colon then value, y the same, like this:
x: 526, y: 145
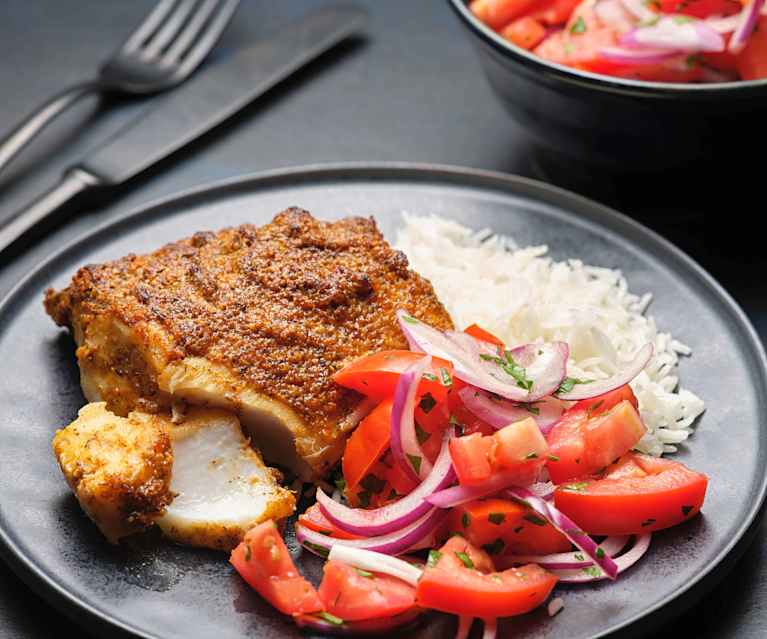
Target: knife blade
x: 216, y: 93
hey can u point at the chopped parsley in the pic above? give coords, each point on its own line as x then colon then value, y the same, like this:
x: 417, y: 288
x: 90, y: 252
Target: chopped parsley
x: 415, y: 462
x: 434, y: 557
x: 535, y: 519
x: 496, y: 548
x: 430, y: 376
x: 686, y: 510
x: 600, y: 553
x: 594, y: 407
x: 427, y: 403
x: 579, y: 26
x: 682, y: 19
x: 496, y: 518
x: 465, y: 559
x: 373, y: 484
x: 392, y: 495
x: 364, y: 498
x: 579, y: 556
x: 531, y: 409
x: 569, y: 382
x: 511, y: 368
x: 409, y: 320
x: 465, y: 520
x: 340, y: 484
x: 421, y: 434
x: 447, y: 379
x: 248, y: 552
x: 648, y: 522
x: 518, y: 529
x: 336, y: 621
x: 364, y: 573
x: 552, y: 458
x: 531, y: 456
x: 577, y: 487
x: 317, y: 549
x: 592, y: 571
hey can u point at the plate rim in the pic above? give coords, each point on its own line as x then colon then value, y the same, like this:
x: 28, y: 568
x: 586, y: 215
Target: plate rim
x: 69, y: 604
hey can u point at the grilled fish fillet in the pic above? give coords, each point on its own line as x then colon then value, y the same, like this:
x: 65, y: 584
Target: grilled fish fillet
x: 251, y: 319
x: 201, y: 482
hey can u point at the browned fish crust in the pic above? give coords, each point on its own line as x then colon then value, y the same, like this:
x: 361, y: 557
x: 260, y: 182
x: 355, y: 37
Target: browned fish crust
x: 283, y: 306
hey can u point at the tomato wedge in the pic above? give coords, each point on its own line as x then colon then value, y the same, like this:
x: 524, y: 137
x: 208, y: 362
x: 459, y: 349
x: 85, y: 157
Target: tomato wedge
x: 367, y: 443
x: 640, y: 494
x: 587, y: 439
x: 354, y: 595
x: 752, y: 61
x: 498, y: 13
x: 700, y: 8
x: 313, y: 519
x: 501, y: 526
x: 525, y: 32
x: 263, y: 560
x: 377, y: 375
x: 458, y: 580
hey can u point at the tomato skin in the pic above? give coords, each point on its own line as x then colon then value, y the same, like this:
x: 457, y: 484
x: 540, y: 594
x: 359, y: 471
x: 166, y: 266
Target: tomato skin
x: 583, y: 444
x: 377, y: 375
x: 263, y: 560
x: 526, y: 32
x: 472, y: 458
x: 451, y: 587
x: 480, y: 333
x: 752, y: 61
x: 462, y: 416
x: 313, y: 519
x: 351, y: 596
x: 699, y: 8
x: 520, y: 531
x: 496, y: 14
x: 555, y: 12
x: 602, y: 403
x: 367, y: 443
x: 629, y: 503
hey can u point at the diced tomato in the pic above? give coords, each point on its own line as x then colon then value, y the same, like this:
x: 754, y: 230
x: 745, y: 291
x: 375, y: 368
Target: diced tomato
x: 525, y: 32
x: 478, y: 332
x: 401, y: 483
x: 502, y: 526
x: 627, y: 502
x: 580, y: 51
x: 752, y: 61
x: 602, y: 403
x: 367, y: 443
x: 262, y: 559
x: 517, y: 449
x: 377, y: 375
x: 555, y: 12
x: 698, y: 8
x: 372, y: 490
x: 472, y: 458
x: 432, y: 416
x: 496, y: 14
x: 456, y: 583
x: 354, y: 595
x: 582, y: 444
x: 313, y: 519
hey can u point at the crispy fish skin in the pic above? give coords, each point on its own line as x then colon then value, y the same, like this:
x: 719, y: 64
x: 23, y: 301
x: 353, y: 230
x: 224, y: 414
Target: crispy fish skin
x: 252, y: 319
x: 118, y: 467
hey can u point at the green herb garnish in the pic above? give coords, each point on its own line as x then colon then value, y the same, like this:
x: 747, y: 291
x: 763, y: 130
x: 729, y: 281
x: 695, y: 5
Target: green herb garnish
x: 686, y: 510
x: 337, y: 621
x: 248, y: 552
x: 579, y: 556
x: 415, y: 462
x: 317, y: 549
x: 579, y: 26
x: 496, y: 518
x: 465, y: 559
x: 392, y: 495
x: 592, y: 571
x: 372, y: 483
x: 420, y: 434
x: 430, y: 376
x: 496, y: 548
x: 465, y: 520
x: 648, y: 522
x: 531, y: 456
x: 569, y: 382
x: 427, y: 403
x: 340, y: 484
x: 447, y: 379
x: 364, y: 498
x: 577, y: 487
x: 535, y: 519
x: 600, y: 553
x: 364, y: 573
x: 434, y: 557
x: 553, y: 458
x: 409, y: 320
x: 511, y: 368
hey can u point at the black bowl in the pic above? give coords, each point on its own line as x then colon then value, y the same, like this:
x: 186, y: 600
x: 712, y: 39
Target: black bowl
x: 582, y: 120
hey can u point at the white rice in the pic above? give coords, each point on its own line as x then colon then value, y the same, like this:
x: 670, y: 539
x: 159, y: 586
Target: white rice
x: 521, y: 295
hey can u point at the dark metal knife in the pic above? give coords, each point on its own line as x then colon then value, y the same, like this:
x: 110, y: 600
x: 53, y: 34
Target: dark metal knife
x: 212, y: 96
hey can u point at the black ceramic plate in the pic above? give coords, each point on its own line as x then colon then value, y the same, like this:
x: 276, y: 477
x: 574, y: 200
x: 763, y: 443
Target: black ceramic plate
x: 155, y: 589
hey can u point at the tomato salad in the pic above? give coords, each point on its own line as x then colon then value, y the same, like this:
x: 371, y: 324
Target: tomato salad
x: 482, y: 478
x: 655, y: 40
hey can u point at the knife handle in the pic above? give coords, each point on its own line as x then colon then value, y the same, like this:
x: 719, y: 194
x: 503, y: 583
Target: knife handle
x: 73, y: 182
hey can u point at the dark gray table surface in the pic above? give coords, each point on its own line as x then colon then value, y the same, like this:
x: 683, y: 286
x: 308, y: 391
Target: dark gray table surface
x: 412, y: 90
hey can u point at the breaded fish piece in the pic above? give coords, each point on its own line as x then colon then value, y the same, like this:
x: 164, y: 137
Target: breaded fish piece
x: 118, y: 467
x: 199, y: 481
x: 251, y: 319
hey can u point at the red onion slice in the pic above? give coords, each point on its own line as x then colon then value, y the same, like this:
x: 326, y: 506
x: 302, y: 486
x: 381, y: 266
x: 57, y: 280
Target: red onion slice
x: 636, y: 56
x: 480, y: 365
x: 745, y: 27
x: 598, y: 387
x: 358, y: 628
x: 458, y: 495
x: 500, y: 412
x: 640, y: 10
x: 725, y: 25
x: 394, y: 516
x: 678, y: 33
x: 568, y: 528
x: 392, y: 544
x: 564, y: 560
x: 623, y: 562
x: 404, y: 441
x: 377, y: 562
x: 613, y: 13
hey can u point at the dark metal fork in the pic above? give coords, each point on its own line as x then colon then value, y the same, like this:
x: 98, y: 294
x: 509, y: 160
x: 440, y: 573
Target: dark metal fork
x: 162, y: 52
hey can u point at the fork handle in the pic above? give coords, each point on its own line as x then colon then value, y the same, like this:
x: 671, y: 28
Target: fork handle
x: 26, y: 130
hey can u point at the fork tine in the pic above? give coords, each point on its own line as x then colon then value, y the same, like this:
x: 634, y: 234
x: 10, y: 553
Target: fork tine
x: 169, y: 29
x: 192, y: 29
x: 209, y: 37
x: 150, y: 23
